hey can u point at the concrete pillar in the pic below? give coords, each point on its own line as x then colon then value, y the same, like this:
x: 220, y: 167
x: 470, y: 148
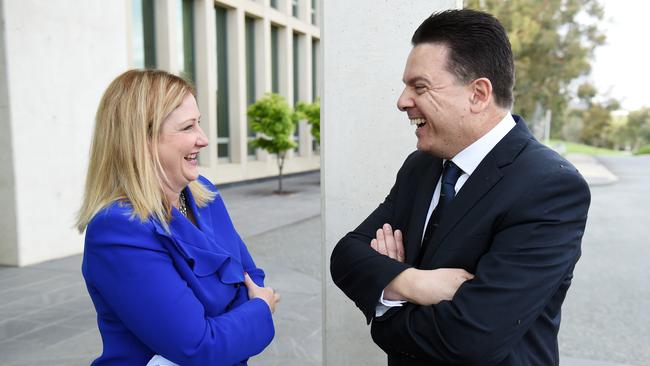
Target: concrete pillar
x: 166, y: 19
x: 237, y: 84
x: 262, y: 67
x: 48, y: 100
x: 8, y: 224
x: 364, y: 140
x: 205, y: 45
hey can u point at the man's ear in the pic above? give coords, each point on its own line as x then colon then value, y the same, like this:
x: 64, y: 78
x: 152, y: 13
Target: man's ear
x: 481, y: 97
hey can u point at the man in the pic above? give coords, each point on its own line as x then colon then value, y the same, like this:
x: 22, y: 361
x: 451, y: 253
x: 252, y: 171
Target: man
x: 469, y: 258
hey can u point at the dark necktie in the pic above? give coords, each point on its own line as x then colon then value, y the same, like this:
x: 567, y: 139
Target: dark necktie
x: 450, y: 174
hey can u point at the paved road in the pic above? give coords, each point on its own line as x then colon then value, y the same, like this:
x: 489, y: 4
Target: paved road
x: 47, y: 318
x: 606, y: 315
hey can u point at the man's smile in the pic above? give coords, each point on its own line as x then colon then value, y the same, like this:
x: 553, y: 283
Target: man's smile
x: 418, y: 121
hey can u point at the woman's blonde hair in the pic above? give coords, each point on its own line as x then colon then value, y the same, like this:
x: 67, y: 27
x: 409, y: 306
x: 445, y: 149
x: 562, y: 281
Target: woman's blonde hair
x: 124, y: 163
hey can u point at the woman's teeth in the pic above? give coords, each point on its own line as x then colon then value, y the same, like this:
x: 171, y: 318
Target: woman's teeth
x: 418, y: 121
x: 191, y: 156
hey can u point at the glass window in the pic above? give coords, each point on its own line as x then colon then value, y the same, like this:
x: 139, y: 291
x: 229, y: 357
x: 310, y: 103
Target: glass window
x: 275, y: 59
x: 295, y: 8
x: 313, y: 11
x: 186, y: 39
x: 314, y: 69
x: 274, y: 4
x: 314, y: 83
x: 250, y: 74
x: 223, y: 116
x: 144, y: 40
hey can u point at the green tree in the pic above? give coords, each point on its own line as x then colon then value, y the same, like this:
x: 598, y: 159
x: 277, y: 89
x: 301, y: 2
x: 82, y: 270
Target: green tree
x: 597, y: 122
x: 638, y: 128
x: 551, y: 49
x: 274, y: 121
x: 310, y: 112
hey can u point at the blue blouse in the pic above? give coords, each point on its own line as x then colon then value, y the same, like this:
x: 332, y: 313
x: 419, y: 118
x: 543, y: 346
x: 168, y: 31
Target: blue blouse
x: 179, y: 294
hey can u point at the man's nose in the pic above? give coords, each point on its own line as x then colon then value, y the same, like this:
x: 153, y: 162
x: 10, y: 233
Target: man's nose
x: 405, y: 101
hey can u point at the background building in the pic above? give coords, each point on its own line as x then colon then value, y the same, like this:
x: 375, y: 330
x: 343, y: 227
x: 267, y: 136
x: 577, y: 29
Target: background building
x: 57, y: 57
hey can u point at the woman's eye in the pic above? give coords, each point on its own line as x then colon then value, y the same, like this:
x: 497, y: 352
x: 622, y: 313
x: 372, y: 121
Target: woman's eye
x: 187, y: 128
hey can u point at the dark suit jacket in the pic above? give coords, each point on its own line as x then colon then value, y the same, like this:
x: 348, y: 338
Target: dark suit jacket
x: 516, y: 224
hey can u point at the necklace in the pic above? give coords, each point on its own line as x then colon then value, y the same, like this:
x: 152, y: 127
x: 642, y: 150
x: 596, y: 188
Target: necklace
x: 182, y: 204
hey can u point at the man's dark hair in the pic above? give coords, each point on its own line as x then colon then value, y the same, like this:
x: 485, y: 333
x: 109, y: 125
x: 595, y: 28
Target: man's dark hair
x: 478, y: 47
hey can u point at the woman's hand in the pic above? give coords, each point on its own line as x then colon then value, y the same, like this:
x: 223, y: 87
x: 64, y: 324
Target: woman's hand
x: 265, y: 293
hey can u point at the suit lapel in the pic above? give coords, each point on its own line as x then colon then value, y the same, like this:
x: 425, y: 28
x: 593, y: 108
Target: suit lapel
x: 422, y: 200
x: 483, y: 179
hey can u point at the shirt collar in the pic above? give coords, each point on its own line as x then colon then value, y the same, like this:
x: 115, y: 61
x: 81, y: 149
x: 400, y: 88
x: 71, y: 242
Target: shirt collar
x: 470, y: 157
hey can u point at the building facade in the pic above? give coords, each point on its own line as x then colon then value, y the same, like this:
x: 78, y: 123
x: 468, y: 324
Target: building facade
x: 234, y: 51
x: 58, y: 56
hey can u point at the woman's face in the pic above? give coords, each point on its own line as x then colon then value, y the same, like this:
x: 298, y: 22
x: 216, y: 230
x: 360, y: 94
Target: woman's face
x: 181, y: 138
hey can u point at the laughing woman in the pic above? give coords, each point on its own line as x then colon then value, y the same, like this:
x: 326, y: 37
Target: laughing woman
x: 166, y: 270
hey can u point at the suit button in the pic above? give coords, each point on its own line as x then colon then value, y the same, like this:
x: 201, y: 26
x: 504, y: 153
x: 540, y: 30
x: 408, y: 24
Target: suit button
x: 237, y: 285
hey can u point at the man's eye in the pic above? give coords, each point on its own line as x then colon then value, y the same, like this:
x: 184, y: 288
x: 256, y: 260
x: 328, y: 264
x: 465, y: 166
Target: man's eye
x: 420, y: 88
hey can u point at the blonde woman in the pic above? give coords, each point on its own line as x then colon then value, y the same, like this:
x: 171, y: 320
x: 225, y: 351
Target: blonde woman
x: 166, y: 270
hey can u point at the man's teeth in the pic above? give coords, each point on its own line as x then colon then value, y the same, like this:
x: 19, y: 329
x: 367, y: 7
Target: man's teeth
x: 418, y: 121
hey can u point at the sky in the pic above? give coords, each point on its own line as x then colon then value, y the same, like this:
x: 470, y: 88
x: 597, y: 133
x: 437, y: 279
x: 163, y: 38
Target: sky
x: 621, y: 66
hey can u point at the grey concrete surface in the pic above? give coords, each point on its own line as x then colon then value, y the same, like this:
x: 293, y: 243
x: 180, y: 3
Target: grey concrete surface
x: 47, y: 318
x: 606, y: 315
x: 595, y: 173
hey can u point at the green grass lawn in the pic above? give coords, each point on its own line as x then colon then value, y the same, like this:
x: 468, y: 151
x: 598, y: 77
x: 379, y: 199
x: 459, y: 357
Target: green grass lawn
x: 573, y: 147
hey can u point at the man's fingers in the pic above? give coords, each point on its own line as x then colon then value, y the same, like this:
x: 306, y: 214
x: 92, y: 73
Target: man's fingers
x: 373, y: 244
x: 391, y: 248
x: 399, y: 243
x: 277, y: 297
x: 381, y: 243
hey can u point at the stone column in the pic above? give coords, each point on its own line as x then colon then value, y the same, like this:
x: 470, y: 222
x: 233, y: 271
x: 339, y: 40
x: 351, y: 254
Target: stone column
x: 55, y: 63
x: 365, y: 140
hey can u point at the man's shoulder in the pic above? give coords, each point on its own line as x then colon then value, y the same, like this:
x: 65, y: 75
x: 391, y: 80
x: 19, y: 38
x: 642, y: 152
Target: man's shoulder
x: 418, y: 159
x: 539, y: 164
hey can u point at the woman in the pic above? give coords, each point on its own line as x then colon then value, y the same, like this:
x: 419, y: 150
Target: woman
x: 163, y: 263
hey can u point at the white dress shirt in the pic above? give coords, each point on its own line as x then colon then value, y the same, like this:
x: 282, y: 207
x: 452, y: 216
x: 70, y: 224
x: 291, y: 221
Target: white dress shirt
x: 467, y: 160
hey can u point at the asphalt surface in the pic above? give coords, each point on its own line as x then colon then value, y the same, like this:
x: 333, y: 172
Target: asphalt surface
x: 606, y: 315
x: 46, y: 317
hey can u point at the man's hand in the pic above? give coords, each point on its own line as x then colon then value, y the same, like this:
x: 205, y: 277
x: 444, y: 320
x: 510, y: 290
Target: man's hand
x: 270, y: 297
x: 389, y: 243
x: 427, y: 287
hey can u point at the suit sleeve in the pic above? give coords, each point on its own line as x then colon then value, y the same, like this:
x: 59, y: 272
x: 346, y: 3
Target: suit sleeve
x: 138, y: 281
x: 533, y: 253
x: 357, y: 269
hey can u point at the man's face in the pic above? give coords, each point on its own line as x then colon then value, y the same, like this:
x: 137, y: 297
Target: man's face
x: 436, y: 102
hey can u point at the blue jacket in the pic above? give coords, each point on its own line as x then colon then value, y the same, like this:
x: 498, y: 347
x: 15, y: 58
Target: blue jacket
x: 179, y: 294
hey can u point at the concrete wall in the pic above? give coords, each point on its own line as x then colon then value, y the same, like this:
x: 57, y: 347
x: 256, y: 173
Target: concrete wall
x: 8, y: 229
x: 59, y: 57
x: 365, y: 139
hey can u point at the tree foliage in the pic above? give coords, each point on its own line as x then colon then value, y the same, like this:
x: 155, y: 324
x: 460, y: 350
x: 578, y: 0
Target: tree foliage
x: 637, y: 128
x: 310, y: 112
x: 597, y: 128
x: 553, y: 42
x: 274, y: 121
